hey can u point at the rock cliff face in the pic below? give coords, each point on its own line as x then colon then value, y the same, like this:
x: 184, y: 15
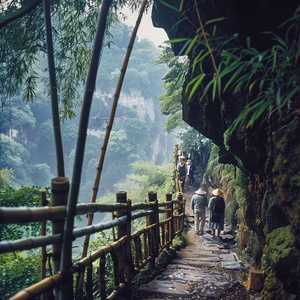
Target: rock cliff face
x: 269, y: 150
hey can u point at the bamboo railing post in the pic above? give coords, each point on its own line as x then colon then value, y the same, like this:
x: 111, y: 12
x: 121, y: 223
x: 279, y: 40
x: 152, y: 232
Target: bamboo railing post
x: 176, y: 153
x: 89, y: 282
x: 59, y: 196
x: 152, y: 197
x: 128, y: 256
x: 179, y: 223
x: 121, y: 197
x: 102, y: 272
x: 167, y: 216
x: 172, y: 234
x: 44, y: 202
x: 175, y: 156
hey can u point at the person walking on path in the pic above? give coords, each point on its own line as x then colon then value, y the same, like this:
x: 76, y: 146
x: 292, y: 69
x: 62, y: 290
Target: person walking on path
x: 191, y: 171
x: 182, y: 170
x: 216, y: 208
x: 198, y: 206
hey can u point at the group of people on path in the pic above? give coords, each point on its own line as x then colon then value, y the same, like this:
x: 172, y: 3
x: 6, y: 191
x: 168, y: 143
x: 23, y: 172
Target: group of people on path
x: 199, y: 201
x: 186, y: 169
x: 216, y: 207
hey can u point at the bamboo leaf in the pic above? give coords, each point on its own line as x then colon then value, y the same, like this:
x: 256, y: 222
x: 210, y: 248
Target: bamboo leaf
x: 248, y: 41
x: 260, y: 111
x: 228, y: 54
x: 215, y: 85
x: 289, y: 96
x: 195, y: 84
x: 278, y: 97
x: 214, y: 21
x: 170, y: 6
x: 233, y: 77
x: 191, y: 45
x: 239, y: 120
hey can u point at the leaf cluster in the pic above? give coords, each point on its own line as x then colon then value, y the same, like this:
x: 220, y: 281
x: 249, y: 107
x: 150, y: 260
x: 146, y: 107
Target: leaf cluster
x: 268, y: 77
x: 170, y: 102
x: 22, y: 197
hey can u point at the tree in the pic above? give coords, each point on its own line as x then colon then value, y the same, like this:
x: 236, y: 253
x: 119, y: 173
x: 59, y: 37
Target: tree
x: 6, y: 177
x: 192, y: 142
x: 13, y: 155
x: 17, y: 119
x: 173, y: 80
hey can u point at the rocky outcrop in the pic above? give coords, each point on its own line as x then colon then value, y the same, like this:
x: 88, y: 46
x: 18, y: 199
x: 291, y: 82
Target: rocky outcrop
x: 268, y: 150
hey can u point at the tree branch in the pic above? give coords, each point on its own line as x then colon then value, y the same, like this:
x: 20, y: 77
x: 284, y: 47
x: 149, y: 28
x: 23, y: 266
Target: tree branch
x: 21, y: 14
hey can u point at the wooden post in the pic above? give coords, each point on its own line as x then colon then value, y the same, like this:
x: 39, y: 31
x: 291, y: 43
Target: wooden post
x: 172, y: 234
x: 180, y: 209
x: 178, y: 183
x: 128, y: 257
x: 152, y: 197
x: 59, y: 196
x: 121, y: 197
x: 168, y: 215
x: 102, y: 272
x: 89, y: 282
x: 175, y: 156
x: 44, y: 202
x: 255, y: 280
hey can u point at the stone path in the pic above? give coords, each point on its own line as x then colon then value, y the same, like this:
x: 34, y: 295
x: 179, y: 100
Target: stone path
x: 208, y: 268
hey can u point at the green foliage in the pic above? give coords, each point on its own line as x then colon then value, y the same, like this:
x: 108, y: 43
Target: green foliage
x: 192, y: 141
x: 145, y: 177
x: 6, y: 177
x: 212, y: 170
x: 170, y: 102
x: 141, y: 75
x: 269, y: 77
x: 22, y: 197
x: 232, y: 180
x: 18, y: 271
x: 13, y: 155
x: 280, y: 257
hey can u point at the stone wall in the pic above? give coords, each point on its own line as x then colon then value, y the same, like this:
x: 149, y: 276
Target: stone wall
x: 267, y: 151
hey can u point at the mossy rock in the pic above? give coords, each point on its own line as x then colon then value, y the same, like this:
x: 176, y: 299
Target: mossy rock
x: 281, y: 258
x: 273, y: 289
x: 273, y: 215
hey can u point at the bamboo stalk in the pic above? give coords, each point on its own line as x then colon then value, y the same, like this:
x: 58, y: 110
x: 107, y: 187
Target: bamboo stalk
x: 38, y: 288
x: 128, y: 256
x: 59, y: 196
x: 53, y: 92
x: 30, y: 243
x: 43, y: 248
x: 111, y: 119
x: 22, y: 215
x: 89, y: 282
x: 66, y: 259
x: 102, y: 273
x: 115, y: 260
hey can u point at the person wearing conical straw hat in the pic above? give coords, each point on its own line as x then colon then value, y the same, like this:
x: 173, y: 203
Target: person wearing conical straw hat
x: 182, y: 170
x: 216, y: 208
x: 198, y: 206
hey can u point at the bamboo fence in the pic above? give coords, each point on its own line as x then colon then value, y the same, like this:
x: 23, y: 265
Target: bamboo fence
x: 129, y: 251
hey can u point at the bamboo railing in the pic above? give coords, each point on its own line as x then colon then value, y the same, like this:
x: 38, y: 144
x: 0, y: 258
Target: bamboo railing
x: 129, y: 251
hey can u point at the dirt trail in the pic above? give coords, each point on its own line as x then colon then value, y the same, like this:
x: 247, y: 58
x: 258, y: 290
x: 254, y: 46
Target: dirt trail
x: 208, y: 268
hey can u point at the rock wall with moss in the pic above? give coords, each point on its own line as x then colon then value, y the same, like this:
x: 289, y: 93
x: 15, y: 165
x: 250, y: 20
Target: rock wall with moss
x: 266, y: 149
